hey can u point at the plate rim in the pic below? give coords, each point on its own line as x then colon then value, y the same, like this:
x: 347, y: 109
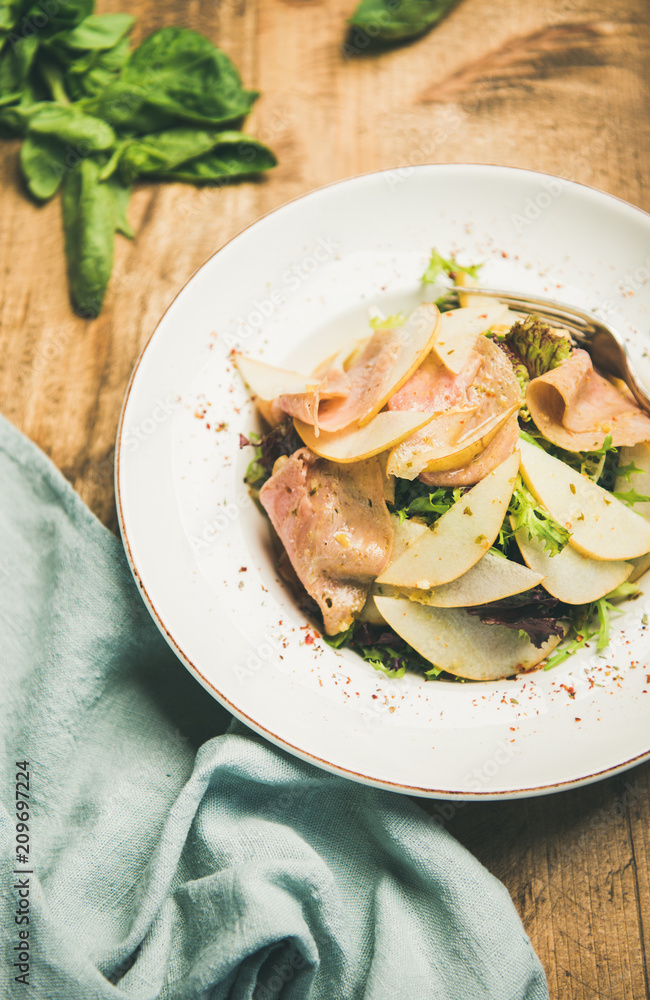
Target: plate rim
x: 282, y: 743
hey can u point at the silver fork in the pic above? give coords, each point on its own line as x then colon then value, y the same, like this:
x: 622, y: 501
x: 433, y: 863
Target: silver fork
x: 605, y: 345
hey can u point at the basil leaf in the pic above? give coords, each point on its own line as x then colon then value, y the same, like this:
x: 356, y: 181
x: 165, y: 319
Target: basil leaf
x: 161, y: 151
x: 90, y: 75
x: 96, y: 32
x: 88, y: 209
x: 174, y: 76
x: 60, y: 15
x: 14, y: 120
x: 184, y: 151
x: 42, y: 163
x: 121, y: 196
x: 14, y: 23
x: 385, y: 21
x: 15, y: 63
x: 234, y: 155
x: 69, y: 125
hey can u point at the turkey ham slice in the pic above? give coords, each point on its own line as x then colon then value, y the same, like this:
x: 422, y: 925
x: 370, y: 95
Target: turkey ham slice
x: 340, y: 397
x: 335, y: 528
x: 334, y: 384
x: 389, y: 358
x: 576, y: 408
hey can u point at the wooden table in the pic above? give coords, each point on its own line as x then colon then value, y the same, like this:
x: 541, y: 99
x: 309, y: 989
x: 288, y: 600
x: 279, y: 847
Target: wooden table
x: 559, y: 85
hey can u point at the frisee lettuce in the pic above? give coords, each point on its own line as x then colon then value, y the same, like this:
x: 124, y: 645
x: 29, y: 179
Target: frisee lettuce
x: 383, y: 649
x: 414, y: 499
x: 389, y: 323
x: 446, y: 265
x: 527, y: 513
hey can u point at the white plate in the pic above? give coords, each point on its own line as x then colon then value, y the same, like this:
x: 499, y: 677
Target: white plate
x: 289, y: 289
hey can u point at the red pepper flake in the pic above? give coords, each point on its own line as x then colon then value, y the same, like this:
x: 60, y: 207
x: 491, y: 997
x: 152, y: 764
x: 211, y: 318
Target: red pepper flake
x: 243, y: 569
x: 223, y: 426
x: 503, y: 253
x: 571, y: 691
x: 309, y: 639
x: 577, y: 719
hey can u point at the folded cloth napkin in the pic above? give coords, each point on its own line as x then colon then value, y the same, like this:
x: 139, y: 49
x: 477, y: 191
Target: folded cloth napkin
x: 168, y: 851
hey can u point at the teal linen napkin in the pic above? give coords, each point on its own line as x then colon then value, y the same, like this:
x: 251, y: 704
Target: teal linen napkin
x: 172, y: 852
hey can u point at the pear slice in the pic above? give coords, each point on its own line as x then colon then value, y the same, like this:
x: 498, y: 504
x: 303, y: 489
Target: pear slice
x: 460, y: 643
x: 490, y: 579
x: 458, y: 330
x: 472, y: 443
x: 268, y: 382
x: 370, y: 613
x: 387, y: 362
x: 460, y: 537
x: 443, y: 434
x: 570, y: 576
x: 342, y: 359
x: 405, y: 534
x: 640, y: 565
x: 601, y: 526
x: 352, y: 444
x: 387, y: 479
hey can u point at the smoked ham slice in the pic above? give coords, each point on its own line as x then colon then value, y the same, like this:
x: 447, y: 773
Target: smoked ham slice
x: 576, y: 408
x: 334, y: 525
x: 388, y: 360
x: 335, y: 384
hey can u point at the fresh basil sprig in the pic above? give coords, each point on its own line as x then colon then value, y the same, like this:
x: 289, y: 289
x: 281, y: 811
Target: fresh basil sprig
x: 96, y: 116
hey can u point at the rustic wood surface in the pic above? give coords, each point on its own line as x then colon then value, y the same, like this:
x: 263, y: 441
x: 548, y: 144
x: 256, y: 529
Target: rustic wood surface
x: 559, y: 85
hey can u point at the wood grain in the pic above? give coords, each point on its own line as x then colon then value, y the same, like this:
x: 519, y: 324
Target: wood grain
x: 556, y: 85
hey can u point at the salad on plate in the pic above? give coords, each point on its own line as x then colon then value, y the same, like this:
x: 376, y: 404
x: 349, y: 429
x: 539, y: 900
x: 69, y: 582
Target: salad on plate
x: 458, y: 492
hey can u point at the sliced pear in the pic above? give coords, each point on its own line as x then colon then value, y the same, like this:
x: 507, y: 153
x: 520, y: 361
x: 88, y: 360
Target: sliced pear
x: 389, y: 359
x: 640, y: 565
x: 639, y: 481
x: 267, y: 381
x: 601, y: 526
x: 442, y: 437
x: 490, y: 579
x: 405, y: 534
x: 388, y: 480
x: 472, y: 443
x: 460, y: 537
x: 463, y: 280
x: 343, y: 359
x: 570, y: 576
x: 355, y: 443
x: 352, y: 356
x: 370, y: 613
x: 458, y: 642
x: 458, y: 330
